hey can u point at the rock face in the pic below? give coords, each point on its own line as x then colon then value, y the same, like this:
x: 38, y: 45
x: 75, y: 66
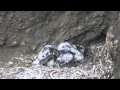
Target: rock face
x: 31, y: 29
x: 25, y: 32
x: 113, y: 41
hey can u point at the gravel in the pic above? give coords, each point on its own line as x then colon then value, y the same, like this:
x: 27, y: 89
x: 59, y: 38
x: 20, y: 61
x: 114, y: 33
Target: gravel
x: 101, y: 67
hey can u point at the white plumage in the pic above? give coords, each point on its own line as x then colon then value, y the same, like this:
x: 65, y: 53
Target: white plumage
x: 65, y: 46
x: 50, y: 63
x: 66, y: 58
x: 78, y: 55
x: 67, y: 53
x: 43, y: 54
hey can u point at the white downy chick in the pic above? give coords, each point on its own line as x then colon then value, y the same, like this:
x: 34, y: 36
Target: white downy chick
x: 50, y: 63
x: 64, y: 46
x: 78, y: 55
x: 43, y: 54
x: 65, y: 58
x: 77, y: 51
x: 67, y: 53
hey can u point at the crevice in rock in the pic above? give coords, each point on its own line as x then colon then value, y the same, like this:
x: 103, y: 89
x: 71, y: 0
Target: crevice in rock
x: 81, y: 39
x: 100, y: 39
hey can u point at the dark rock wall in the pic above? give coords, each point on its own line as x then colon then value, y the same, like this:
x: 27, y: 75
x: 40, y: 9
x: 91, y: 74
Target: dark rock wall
x: 35, y: 28
x: 113, y: 41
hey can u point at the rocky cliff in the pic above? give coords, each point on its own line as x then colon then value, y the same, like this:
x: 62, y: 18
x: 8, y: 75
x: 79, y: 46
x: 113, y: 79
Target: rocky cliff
x: 24, y: 33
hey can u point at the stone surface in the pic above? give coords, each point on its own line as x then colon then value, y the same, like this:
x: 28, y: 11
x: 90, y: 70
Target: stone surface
x: 38, y: 27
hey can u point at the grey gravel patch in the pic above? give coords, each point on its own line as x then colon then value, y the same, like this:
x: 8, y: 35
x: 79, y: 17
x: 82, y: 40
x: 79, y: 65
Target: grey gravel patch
x: 88, y: 71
